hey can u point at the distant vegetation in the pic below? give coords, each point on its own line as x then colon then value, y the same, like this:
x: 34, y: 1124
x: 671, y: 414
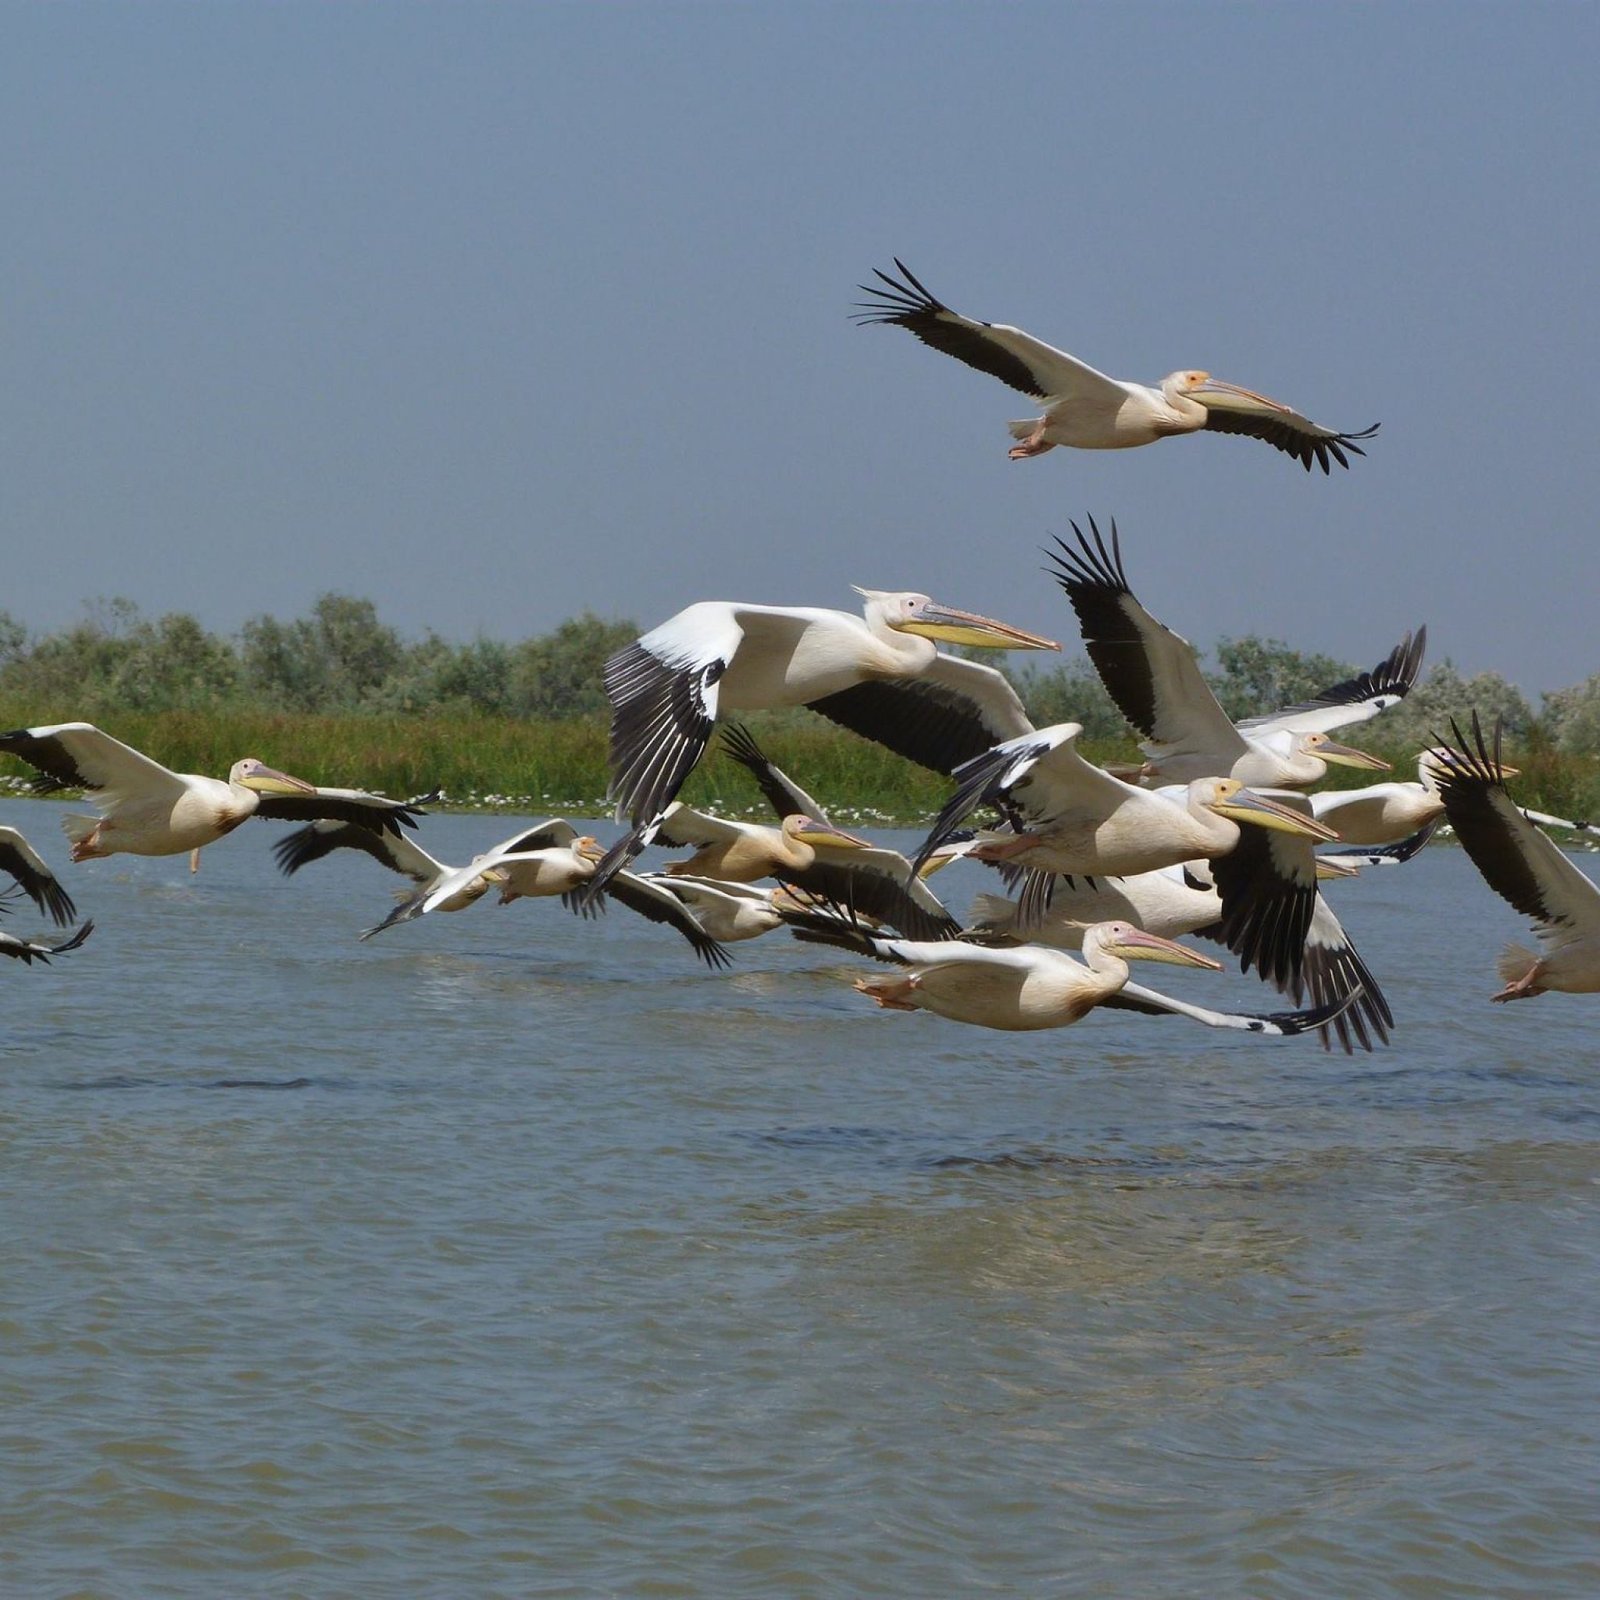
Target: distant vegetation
x: 342, y: 698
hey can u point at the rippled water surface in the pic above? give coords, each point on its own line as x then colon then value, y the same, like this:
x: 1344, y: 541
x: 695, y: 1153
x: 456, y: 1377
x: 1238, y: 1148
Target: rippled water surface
x: 510, y: 1255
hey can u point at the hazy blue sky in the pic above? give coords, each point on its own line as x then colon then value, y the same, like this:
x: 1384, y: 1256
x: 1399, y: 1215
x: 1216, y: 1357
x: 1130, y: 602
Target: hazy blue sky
x: 497, y: 313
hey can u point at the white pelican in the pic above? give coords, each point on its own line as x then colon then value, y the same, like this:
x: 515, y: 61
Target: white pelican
x: 1526, y: 870
x: 31, y: 950
x: 669, y: 686
x: 146, y: 810
x: 812, y: 856
x: 1154, y: 677
x: 731, y: 912
x: 1028, y: 987
x: 1086, y: 409
x: 21, y: 861
x: 1069, y: 816
x: 1388, y: 811
x: 399, y: 853
x: 549, y: 859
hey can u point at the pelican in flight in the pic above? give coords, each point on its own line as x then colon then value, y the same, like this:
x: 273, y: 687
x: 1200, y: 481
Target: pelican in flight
x: 19, y: 860
x: 879, y: 674
x: 1524, y: 867
x: 1069, y: 816
x: 1029, y: 986
x: 1086, y: 409
x: 145, y: 810
x: 1153, y: 675
x: 813, y: 856
x: 731, y: 912
x: 549, y: 859
x: 31, y: 950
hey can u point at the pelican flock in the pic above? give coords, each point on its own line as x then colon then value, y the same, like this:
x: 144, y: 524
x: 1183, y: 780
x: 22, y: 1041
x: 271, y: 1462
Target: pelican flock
x: 1225, y: 832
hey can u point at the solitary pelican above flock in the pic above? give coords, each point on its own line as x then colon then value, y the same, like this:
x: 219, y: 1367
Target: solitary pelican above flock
x: 1086, y: 409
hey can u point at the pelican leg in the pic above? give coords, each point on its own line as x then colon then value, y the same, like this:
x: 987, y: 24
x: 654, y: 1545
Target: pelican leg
x: 1005, y: 849
x: 1031, y: 444
x: 88, y: 847
x: 893, y: 994
x: 1525, y: 987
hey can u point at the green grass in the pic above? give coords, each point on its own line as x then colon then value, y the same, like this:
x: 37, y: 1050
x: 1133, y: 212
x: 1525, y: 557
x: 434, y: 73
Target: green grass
x: 507, y: 764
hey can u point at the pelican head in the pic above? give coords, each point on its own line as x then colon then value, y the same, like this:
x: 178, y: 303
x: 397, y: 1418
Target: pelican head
x: 254, y: 774
x: 1440, y: 760
x: 1341, y: 755
x: 588, y: 848
x: 1209, y: 391
x: 1229, y: 798
x: 908, y: 612
x: 1129, y: 943
x: 819, y: 835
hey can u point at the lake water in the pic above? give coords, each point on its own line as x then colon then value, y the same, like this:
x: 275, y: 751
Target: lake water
x: 512, y: 1255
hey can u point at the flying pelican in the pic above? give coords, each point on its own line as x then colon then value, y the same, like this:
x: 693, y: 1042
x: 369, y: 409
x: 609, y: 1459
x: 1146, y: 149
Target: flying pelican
x: 1154, y: 677
x: 146, y: 810
x: 549, y: 859
x: 31, y: 950
x: 1085, y: 408
x: 1029, y: 986
x: 403, y: 855
x: 21, y: 861
x: 669, y: 686
x: 1526, y: 870
x: 812, y: 856
x: 787, y: 798
x: 731, y: 912
x: 1069, y: 816
x: 1387, y: 811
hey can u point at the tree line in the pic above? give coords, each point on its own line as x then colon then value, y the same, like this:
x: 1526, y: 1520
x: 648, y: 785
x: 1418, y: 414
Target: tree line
x: 343, y: 660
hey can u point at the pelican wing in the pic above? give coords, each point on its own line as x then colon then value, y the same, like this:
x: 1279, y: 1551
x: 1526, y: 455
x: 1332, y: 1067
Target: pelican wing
x: 880, y: 884
x: 683, y: 828
x: 1014, y: 357
x: 1231, y: 410
x: 549, y: 835
x: 1039, y: 777
x: 77, y: 755
x: 1382, y: 855
x: 354, y: 806
x: 37, y: 881
x: 31, y: 950
x: 1518, y: 861
x: 780, y: 791
x: 954, y: 711
x: 1354, y: 699
x: 392, y: 850
x: 663, y: 693
x: 1151, y: 1002
x: 1268, y: 884
x: 1274, y: 919
x: 1152, y: 673
x: 650, y: 900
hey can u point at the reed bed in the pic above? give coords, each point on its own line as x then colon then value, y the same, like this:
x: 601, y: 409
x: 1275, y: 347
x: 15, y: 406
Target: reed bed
x: 507, y: 764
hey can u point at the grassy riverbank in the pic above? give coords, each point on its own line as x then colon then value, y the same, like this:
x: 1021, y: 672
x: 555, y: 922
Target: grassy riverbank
x: 503, y: 763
